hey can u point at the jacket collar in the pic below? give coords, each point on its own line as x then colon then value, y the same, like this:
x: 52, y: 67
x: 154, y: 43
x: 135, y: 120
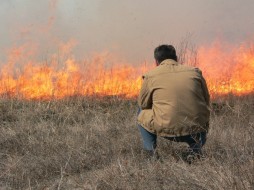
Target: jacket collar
x: 169, y: 62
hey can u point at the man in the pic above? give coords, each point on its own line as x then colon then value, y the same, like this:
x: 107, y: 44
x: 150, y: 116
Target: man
x: 174, y: 103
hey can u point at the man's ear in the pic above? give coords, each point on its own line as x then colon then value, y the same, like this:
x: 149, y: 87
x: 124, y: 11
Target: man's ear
x: 157, y: 63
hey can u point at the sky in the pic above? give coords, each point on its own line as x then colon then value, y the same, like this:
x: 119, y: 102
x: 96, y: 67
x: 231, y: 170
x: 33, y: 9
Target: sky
x: 130, y: 29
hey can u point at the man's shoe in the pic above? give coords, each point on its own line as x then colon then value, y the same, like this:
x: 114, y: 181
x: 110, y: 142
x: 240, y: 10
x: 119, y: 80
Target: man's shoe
x: 151, y: 155
x: 194, y: 157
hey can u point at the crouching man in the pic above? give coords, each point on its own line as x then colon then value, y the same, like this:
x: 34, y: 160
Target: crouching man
x: 174, y: 103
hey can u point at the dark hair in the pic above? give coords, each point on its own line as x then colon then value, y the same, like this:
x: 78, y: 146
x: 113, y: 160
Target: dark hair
x: 163, y: 52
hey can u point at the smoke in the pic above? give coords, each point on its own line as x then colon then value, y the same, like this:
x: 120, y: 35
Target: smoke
x: 131, y: 29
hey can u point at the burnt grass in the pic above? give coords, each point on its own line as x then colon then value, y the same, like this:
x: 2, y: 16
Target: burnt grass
x: 93, y: 143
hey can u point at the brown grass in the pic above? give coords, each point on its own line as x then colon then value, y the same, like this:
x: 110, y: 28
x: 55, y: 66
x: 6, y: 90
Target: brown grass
x: 84, y: 143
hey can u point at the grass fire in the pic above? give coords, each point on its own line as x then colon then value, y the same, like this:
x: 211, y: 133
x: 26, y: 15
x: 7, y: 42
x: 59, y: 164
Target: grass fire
x: 227, y: 72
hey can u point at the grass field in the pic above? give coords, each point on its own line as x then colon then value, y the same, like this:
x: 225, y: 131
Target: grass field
x: 86, y: 143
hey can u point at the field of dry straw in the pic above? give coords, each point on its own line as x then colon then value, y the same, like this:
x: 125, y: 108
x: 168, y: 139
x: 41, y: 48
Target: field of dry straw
x: 86, y: 143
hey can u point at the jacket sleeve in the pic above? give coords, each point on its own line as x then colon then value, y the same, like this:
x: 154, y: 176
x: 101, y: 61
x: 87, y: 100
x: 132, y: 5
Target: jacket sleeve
x: 204, y: 87
x: 145, y: 95
x: 205, y: 90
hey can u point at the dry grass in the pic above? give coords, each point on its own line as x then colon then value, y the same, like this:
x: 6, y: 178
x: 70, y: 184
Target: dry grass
x: 84, y: 143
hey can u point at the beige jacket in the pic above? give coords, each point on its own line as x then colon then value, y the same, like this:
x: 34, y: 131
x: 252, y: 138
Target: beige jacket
x: 174, y: 100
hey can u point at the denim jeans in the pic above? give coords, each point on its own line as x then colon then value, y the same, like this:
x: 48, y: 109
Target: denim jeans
x: 195, y: 141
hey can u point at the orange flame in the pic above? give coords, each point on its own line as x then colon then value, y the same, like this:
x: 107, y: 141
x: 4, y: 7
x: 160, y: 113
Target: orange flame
x: 226, y: 71
x: 58, y: 80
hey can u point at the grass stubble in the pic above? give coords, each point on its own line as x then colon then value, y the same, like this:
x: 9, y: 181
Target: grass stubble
x: 91, y: 143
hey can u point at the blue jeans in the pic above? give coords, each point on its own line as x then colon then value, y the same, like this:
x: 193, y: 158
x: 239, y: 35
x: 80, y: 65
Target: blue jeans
x: 195, y: 141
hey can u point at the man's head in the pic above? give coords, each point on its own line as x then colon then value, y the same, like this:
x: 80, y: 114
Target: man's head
x: 163, y: 52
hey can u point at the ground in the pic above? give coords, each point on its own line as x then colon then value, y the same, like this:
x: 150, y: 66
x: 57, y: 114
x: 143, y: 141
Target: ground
x: 93, y: 143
